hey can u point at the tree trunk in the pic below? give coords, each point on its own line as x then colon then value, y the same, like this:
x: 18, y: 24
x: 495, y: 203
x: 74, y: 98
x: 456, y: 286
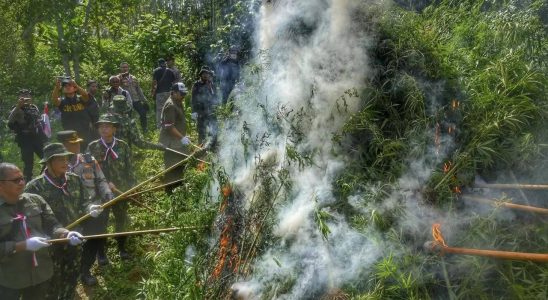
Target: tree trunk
x: 78, y: 46
x: 62, y: 45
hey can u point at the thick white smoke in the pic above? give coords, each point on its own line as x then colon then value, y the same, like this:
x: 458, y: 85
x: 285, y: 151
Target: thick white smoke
x: 316, y: 51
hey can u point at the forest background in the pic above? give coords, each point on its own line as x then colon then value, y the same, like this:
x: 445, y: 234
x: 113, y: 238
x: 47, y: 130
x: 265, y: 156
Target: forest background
x: 489, y: 56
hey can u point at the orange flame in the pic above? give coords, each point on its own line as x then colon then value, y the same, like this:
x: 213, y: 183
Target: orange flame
x: 226, y: 190
x: 436, y: 233
x: 447, y: 166
x: 455, y: 104
x: 201, y: 166
x: 457, y: 190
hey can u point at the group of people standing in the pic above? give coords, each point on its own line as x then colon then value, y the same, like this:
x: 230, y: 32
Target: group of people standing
x: 89, y: 165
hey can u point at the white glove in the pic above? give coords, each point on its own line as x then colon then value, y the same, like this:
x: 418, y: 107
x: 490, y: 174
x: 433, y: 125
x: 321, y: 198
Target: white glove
x: 36, y: 243
x: 95, y: 210
x: 75, y: 238
x: 194, y: 116
x: 185, y: 140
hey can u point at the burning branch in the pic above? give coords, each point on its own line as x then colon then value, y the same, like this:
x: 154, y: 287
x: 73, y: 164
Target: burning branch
x: 517, y: 186
x: 440, y: 245
x: 506, y: 204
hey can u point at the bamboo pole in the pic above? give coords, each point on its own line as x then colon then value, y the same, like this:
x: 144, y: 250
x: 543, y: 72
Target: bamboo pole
x: 183, y: 154
x: 496, y: 203
x: 507, y: 186
x: 124, y: 194
x: 127, y: 233
x: 136, y: 201
x: 158, y: 187
x: 439, y: 244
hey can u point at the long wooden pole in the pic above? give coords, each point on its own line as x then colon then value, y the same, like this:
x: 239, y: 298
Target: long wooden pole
x: 127, y: 233
x: 183, y: 154
x: 514, y: 186
x: 130, y: 197
x: 124, y: 194
x: 158, y: 187
x: 495, y: 203
x: 439, y: 244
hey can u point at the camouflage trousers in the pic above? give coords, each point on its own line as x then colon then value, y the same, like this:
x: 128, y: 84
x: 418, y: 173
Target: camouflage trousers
x: 66, y: 268
x: 121, y: 222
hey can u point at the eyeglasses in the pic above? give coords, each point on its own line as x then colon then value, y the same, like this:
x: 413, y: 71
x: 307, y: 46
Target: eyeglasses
x: 15, y: 180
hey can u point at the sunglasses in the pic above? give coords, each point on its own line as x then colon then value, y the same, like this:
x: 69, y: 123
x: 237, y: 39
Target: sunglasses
x: 15, y: 180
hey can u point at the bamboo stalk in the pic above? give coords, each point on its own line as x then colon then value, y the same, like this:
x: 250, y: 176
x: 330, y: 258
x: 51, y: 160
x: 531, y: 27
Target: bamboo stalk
x: 136, y: 201
x: 158, y: 187
x: 127, y: 233
x: 514, y: 186
x: 124, y: 194
x: 183, y: 154
x: 494, y: 253
x: 439, y: 244
x: 496, y: 203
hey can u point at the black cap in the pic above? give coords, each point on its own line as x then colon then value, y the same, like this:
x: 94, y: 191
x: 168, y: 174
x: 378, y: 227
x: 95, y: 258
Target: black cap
x: 68, y: 136
x: 161, y: 61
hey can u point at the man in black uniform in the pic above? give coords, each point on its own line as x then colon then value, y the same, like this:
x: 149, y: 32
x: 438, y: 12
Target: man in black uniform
x: 229, y: 73
x: 162, y: 80
x: 25, y: 120
x: 204, y: 102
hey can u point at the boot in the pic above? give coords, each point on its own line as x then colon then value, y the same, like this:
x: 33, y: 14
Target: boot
x: 124, y: 255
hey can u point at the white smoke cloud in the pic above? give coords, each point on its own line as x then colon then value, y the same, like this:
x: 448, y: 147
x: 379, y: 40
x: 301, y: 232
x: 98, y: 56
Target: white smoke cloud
x: 316, y: 51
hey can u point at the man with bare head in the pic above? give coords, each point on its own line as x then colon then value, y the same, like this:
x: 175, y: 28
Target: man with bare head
x: 115, y: 89
x: 26, y: 221
x: 139, y: 100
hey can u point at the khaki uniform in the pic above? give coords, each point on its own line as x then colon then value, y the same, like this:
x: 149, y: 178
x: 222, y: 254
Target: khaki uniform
x: 173, y: 115
x: 26, y: 269
x: 68, y: 204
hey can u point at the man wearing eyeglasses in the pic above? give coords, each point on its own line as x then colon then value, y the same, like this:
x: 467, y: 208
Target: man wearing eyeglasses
x: 26, y: 221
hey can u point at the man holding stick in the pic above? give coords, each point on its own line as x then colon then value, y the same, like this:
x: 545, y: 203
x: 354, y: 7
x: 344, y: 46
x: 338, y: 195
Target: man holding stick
x: 98, y: 192
x: 25, y: 265
x: 114, y: 157
x: 173, y: 132
x: 64, y: 193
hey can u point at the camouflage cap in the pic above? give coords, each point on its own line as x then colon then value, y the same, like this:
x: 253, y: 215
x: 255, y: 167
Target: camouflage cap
x: 54, y: 150
x: 107, y: 119
x: 119, y: 104
x: 205, y: 69
x: 68, y: 136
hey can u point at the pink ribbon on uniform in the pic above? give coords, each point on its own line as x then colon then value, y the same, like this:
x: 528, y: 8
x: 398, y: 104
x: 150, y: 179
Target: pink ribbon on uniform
x: 23, y: 220
x: 113, y: 154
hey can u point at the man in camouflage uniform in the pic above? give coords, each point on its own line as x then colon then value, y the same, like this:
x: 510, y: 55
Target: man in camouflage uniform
x: 25, y: 121
x: 26, y: 221
x: 127, y: 128
x: 173, y: 132
x: 114, y: 157
x: 65, y: 194
x: 98, y: 192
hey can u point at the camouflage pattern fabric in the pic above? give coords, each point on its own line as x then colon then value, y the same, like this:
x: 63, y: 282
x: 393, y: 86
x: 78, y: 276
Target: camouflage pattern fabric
x: 119, y: 171
x: 129, y: 132
x: 67, y: 204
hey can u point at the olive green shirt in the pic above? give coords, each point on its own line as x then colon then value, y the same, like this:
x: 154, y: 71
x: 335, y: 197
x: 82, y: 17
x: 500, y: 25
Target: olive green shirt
x: 16, y: 269
x: 67, y: 207
x: 117, y: 170
x: 173, y: 115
